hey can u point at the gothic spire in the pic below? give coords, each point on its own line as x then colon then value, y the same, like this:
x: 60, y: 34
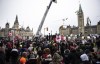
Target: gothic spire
x: 80, y: 8
x: 16, y: 20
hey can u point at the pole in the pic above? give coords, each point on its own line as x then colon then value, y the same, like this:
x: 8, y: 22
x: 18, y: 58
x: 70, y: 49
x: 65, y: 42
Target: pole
x: 43, y: 19
x: 13, y: 36
x: 44, y: 31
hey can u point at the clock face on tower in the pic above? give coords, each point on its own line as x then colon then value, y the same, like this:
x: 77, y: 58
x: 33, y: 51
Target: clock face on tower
x: 80, y: 16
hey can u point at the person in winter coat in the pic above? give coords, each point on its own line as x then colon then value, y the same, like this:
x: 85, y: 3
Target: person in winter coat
x: 85, y: 58
x: 33, y: 58
x: 2, y: 54
x: 14, y: 56
x: 23, y: 58
x: 56, y: 59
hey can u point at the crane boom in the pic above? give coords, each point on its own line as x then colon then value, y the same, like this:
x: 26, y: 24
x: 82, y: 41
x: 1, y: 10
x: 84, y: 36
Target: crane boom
x: 43, y: 19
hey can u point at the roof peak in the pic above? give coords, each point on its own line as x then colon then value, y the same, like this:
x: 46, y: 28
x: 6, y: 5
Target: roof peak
x: 16, y: 20
x: 80, y: 8
x: 7, y: 23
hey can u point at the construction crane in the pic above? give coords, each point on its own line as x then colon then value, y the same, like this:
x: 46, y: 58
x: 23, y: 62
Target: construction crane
x: 38, y: 33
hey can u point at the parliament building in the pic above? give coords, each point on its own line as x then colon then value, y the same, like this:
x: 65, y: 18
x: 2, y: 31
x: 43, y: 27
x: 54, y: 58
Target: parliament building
x: 81, y: 29
x: 16, y: 30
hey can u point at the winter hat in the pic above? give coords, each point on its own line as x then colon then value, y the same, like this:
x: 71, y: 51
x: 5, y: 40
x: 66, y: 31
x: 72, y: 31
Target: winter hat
x: 56, y: 57
x: 49, y: 57
x: 23, y: 60
x: 32, y: 56
x: 15, y: 50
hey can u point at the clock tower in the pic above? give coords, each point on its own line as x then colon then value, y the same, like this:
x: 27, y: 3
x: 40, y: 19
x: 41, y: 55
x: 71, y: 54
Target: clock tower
x: 80, y: 16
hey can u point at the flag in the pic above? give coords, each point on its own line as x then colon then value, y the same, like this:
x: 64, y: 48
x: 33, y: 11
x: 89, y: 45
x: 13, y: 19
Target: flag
x: 62, y: 37
x: 63, y: 19
x: 66, y: 18
x: 9, y: 34
x: 58, y: 38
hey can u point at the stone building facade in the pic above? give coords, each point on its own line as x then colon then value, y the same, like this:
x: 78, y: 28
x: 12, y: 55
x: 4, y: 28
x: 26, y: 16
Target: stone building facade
x: 20, y: 32
x: 81, y: 29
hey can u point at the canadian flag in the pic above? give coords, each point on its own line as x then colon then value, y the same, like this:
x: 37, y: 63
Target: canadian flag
x: 58, y: 38
x: 9, y: 34
x: 63, y: 38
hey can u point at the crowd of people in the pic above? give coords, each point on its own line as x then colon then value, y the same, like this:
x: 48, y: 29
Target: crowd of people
x: 81, y: 50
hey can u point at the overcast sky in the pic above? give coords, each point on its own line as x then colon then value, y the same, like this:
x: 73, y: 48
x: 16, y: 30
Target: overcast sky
x: 30, y: 13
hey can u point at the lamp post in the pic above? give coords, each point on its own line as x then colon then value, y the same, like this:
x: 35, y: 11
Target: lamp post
x: 13, y: 36
x: 46, y: 30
